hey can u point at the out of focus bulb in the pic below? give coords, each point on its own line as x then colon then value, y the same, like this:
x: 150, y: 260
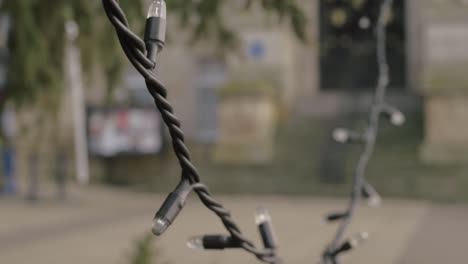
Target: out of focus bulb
x: 373, y: 198
x: 262, y: 216
x: 265, y: 227
x: 195, y: 243
x: 364, y: 23
x: 160, y: 225
x: 359, y: 239
x: 340, y: 135
x: 374, y: 201
x: 157, y: 9
x: 398, y: 118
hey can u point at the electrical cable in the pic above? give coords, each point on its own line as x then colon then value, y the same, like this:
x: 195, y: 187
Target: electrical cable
x: 142, y: 54
x: 368, y: 139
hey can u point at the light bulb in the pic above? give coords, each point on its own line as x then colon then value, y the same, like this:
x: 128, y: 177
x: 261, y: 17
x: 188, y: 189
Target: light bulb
x: 265, y: 227
x: 195, y: 243
x: 262, y: 216
x: 155, y: 29
x: 157, y: 9
x: 364, y: 23
x: 374, y: 201
x: 213, y: 242
x: 373, y: 198
x: 398, y: 118
x: 340, y: 135
x: 359, y: 239
x: 395, y: 116
x: 160, y: 225
x: 171, y: 208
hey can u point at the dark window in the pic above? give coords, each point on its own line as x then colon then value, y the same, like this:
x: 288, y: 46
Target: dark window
x: 347, y: 44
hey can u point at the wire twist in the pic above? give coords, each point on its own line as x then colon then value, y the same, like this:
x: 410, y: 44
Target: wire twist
x: 370, y: 133
x: 135, y: 50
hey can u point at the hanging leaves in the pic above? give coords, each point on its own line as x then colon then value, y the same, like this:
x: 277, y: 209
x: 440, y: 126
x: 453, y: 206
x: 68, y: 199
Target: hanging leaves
x: 36, y: 48
x: 38, y: 37
x: 208, y: 18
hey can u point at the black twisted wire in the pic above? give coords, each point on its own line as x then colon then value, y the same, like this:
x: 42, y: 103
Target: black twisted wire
x: 135, y: 50
x: 369, y: 136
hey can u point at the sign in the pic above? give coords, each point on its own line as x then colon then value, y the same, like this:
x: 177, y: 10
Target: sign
x: 257, y: 49
x: 134, y: 131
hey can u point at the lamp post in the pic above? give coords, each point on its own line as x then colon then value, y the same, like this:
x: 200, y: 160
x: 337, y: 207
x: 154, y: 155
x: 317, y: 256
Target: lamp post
x: 75, y: 81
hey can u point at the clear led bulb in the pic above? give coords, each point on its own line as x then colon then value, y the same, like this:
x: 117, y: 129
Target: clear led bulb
x: 157, y: 9
x: 398, y: 118
x: 265, y: 227
x: 373, y: 198
x: 374, y: 201
x: 341, y: 135
x: 262, y: 216
x: 359, y: 239
x: 195, y: 243
x: 160, y: 225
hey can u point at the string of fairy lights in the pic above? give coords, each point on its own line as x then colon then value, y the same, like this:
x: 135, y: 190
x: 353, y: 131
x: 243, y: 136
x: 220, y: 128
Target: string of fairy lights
x: 143, y: 55
x: 367, y: 139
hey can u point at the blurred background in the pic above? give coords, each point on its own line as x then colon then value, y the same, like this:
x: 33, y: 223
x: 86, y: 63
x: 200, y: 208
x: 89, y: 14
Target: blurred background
x: 259, y: 86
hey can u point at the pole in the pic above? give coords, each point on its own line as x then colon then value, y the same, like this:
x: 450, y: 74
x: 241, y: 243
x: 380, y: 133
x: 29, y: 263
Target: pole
x: 75, y: 82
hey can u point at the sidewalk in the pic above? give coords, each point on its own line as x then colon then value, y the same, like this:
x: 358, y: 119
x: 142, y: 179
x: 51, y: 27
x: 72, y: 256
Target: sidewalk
x: 100, y: 225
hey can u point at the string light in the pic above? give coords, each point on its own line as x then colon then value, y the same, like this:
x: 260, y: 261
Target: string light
x: 360, y: 187
x: 395, y: 117
x: 342, y: 135
x: 370, y: 194
x: 143, y: 56
x: 265, y: 227
x: 155, y: 29
x: 212, y: 242
x: 171, y: 208
x: 350, y: 244
x: 333, y: 217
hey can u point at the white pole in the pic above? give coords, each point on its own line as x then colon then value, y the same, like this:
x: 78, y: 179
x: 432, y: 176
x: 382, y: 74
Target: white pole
x: 75, y: 82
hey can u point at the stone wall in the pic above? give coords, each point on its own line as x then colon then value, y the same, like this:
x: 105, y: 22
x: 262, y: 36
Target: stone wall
x: 292, y: 65
x: 443, y: 74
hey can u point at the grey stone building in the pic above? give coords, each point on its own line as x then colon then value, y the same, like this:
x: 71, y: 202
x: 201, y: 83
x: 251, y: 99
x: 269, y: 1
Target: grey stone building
x: 331, y: 77
x: 427, y: 47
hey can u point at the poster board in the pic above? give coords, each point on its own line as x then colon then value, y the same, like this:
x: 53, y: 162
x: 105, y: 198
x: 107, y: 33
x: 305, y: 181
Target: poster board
x: 124, y: 131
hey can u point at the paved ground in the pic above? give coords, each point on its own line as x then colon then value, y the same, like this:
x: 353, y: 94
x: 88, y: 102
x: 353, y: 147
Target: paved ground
x: 99, y: 225
x: 441, y: 238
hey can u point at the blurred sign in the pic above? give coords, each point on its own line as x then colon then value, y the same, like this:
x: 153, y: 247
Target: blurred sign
x: 134, y: 131
x: 257, y: 49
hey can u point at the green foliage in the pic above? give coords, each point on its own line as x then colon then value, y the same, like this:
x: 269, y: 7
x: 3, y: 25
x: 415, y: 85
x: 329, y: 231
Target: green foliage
x: 36, y: 48
x: 37, y: 42
x: 288, y: 9
x: 143, y: 251
x: 206, y: 19
x: 36, y: 69
x: 98, y: 41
